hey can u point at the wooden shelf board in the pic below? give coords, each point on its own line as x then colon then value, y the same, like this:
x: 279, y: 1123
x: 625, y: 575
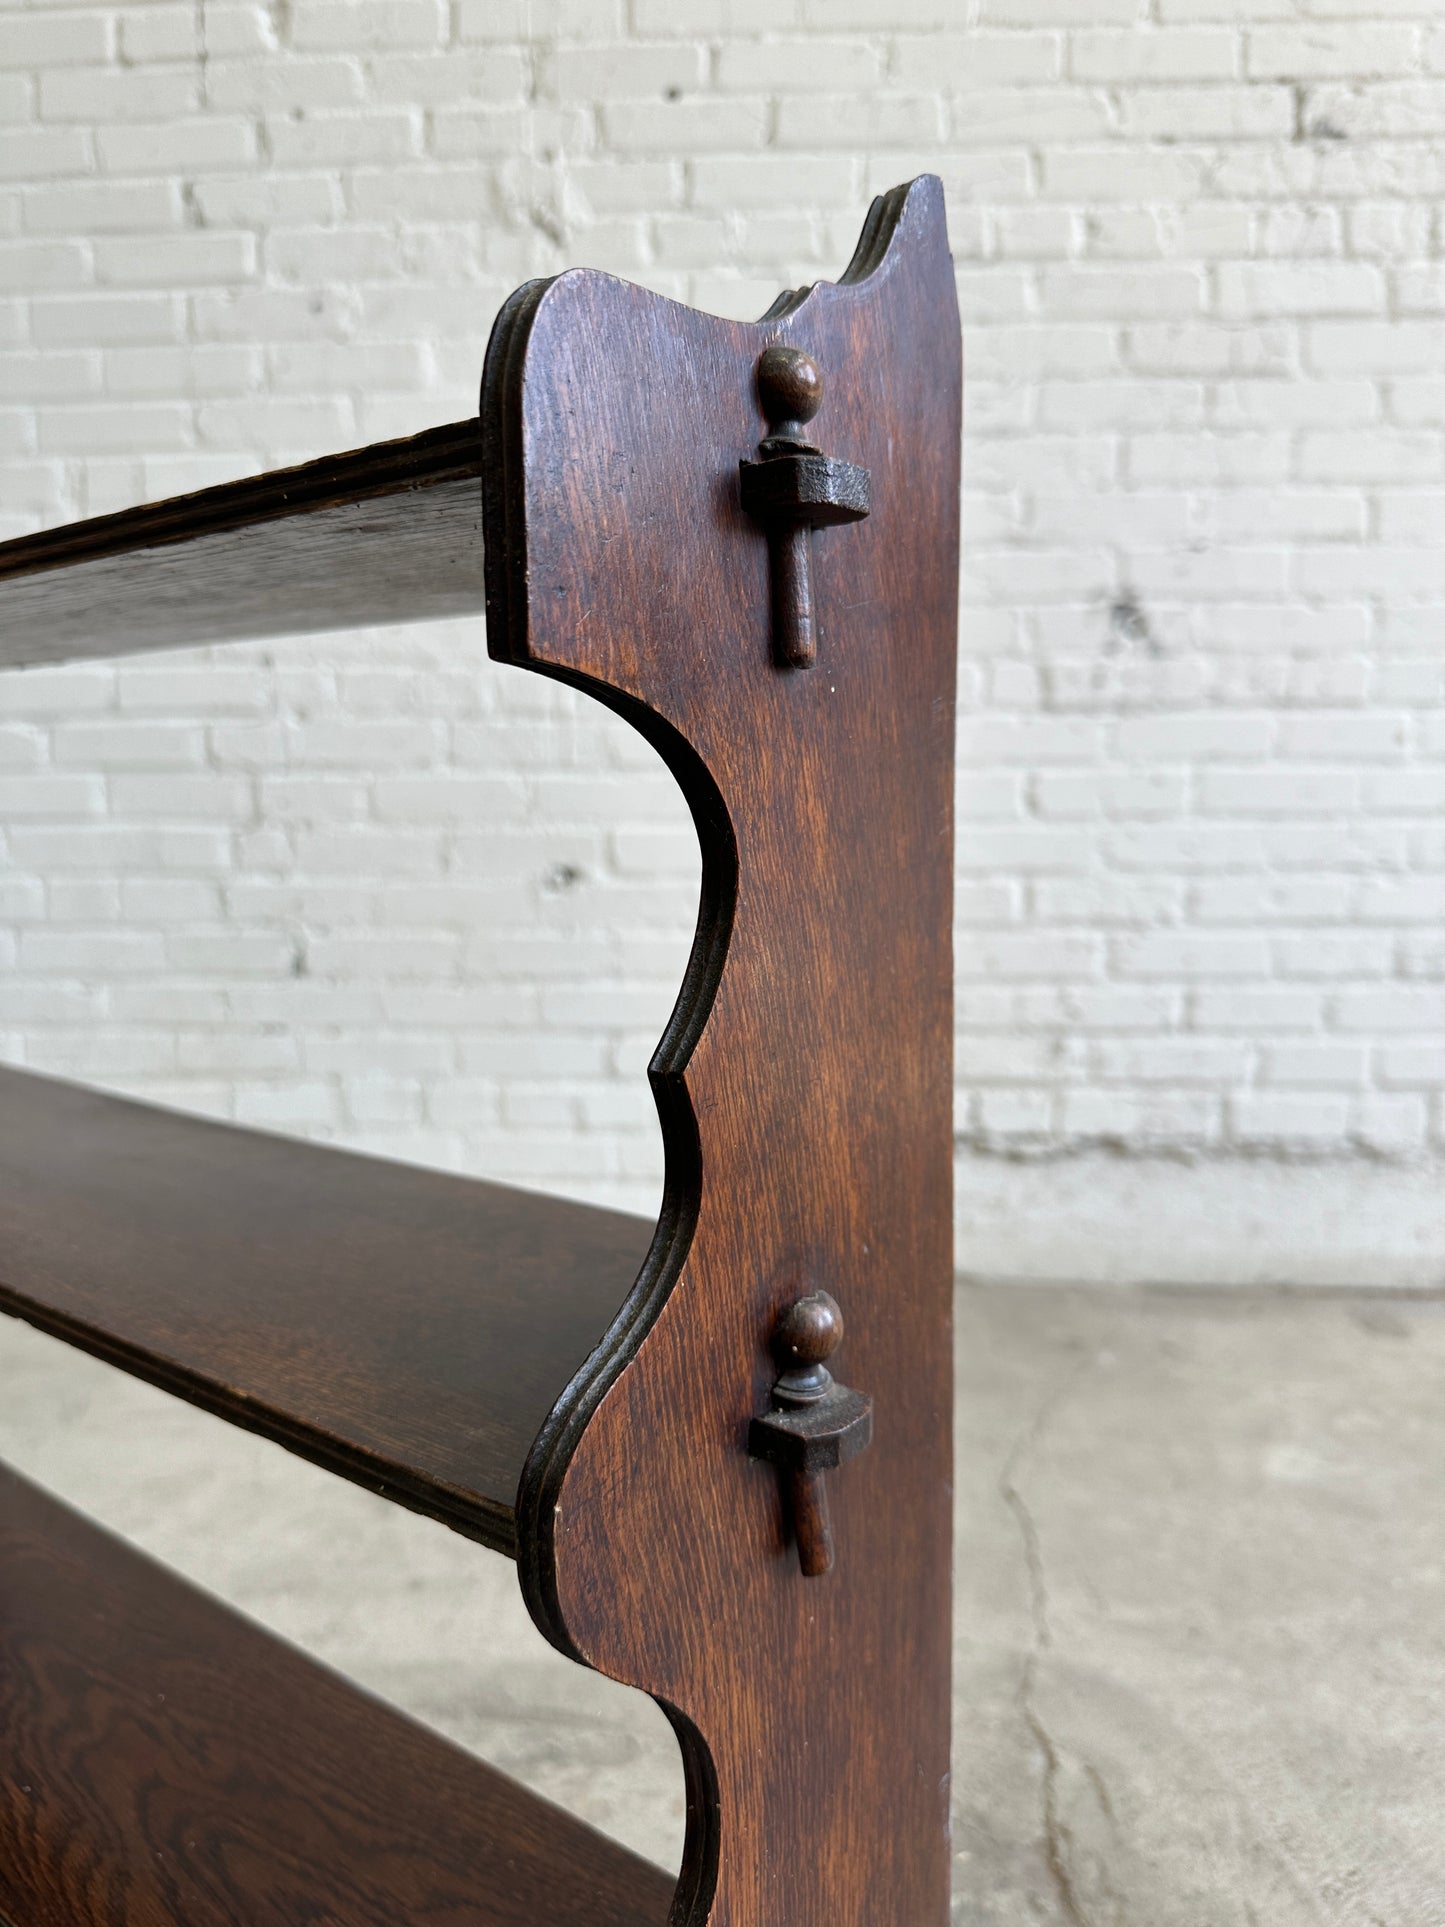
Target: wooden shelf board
x: 406, y: 1328
x: 166, y: 1763
x: 390, y: 533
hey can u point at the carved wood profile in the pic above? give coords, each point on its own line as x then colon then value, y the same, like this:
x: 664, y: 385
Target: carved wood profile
x: 804, y: 1080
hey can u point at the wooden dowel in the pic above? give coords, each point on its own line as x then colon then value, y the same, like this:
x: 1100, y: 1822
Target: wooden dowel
x: 795, y: 642
x: 811, y: 1528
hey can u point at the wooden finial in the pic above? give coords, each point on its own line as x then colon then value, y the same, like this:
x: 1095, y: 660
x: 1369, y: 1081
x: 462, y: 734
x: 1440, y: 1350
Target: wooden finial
x: 814, y: 1425
x: 792, y: 489
x: 808, y: 1332
x: 790, y: 389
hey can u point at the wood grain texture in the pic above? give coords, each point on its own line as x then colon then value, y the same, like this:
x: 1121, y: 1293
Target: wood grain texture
x: 384, y: 534
x: 804, y: 1082
x: 406, y: 1328
x: 165, y: 1763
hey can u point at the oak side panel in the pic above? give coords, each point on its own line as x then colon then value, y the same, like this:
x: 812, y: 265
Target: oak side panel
x: 805, y: 1080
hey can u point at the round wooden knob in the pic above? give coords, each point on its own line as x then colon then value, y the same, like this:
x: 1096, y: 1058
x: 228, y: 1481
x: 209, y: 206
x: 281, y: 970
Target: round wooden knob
x: 810, y: 1330
x: 790, y: 387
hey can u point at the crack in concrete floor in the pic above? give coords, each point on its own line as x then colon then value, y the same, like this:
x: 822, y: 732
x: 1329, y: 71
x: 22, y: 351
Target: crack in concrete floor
x: 1056, y: 1841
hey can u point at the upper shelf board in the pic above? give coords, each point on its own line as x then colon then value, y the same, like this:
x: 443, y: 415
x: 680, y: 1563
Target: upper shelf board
x: 391, y: 533
x: 406, y: 1328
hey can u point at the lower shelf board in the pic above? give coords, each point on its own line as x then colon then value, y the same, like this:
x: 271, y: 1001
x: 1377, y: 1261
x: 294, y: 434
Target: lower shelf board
x: 166, y: 1763
x: 408, y: 1329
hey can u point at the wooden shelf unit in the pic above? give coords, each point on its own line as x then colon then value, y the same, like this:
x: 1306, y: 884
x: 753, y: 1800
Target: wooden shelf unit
x: 572, y: 1386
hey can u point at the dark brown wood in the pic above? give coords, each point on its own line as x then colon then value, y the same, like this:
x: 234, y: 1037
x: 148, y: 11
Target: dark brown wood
x: 384, y: 534
x: 814, y: 1424
x: 792, y: 489
x: 414, y: 1330
x: 164, y: 1763
x: 804, y: 1081
x: 406, y: 1328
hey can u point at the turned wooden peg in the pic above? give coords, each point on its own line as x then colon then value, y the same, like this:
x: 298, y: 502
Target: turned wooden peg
x: 792, y: 489
x: 815, y: 1423
x: 808, y: 1333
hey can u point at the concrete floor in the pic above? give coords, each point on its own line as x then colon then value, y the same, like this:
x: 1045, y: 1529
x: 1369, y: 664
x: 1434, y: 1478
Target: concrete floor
x: 1200, y: 1617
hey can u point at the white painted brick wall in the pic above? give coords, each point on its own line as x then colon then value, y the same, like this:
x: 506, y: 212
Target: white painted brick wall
x: 369, y: 888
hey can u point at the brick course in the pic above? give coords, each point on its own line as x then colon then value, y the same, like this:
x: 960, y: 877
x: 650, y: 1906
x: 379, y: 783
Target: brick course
x: 368, y: 888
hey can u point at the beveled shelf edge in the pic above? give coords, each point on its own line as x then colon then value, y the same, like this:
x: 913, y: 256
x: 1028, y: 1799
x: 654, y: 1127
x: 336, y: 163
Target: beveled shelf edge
x: 486, y: 1521
x: 449, y: 453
